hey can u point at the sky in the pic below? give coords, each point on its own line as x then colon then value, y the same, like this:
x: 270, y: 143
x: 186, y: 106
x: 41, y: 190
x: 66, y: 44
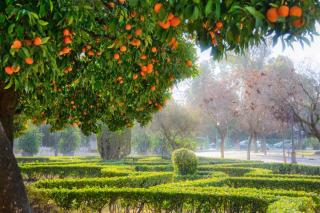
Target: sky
x: 298, y: 54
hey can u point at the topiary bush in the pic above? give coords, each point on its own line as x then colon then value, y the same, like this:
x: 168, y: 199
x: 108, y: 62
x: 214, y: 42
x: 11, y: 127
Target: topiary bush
x: 185, y: 161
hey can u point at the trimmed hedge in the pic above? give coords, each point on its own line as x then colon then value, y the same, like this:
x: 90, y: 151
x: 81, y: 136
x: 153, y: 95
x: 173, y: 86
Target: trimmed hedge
x: 185, y: 161
x: 141, y: 180
x: 291, y: 205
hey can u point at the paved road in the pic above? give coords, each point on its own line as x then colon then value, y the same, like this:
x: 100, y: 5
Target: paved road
x: 272, y: 156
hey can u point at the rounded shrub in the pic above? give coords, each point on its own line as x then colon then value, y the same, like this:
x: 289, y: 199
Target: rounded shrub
x: 185, y: 161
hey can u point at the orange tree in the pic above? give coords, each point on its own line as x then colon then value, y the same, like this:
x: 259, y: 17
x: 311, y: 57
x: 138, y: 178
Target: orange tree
x: 78, y: 61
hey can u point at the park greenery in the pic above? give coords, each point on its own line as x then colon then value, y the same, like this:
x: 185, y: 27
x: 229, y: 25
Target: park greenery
x: 143, y: 184
x: 112, y: 64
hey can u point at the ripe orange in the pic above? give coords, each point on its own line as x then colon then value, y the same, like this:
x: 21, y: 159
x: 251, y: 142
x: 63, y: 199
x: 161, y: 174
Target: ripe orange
x: 69, y: 69
x: 144, y: 68
x: 153, y: 88
x: 189, y: 63
x: 219, y: 25
x: 129, y: 36
x: 154, y: 49
x: 157, y: 7
x: 67, y: 40
x: 272, y: 15
x: 8, y: 70
x: 170, y: 16
x: 174, y: 22
x: 298, y: 23
x: 65, y: 50
x: 17, y: 44
x: 66, y: 32
x: 135, y: 76
x: 128, y: 27
x: 143, y: 57
x: 116, y: 56
x: 164, y: 25
x: 295, y: 11
x: 37, y: 41
x: 283, y: 11
x: 143, y: 74
x: 136, y: 42
x: 149, y: 68
x: 133, y: 14
x: 138, y: 32
x: 28, y: 61
x: 122, y: 1
x: 91, y: 53
x: 123, y: 48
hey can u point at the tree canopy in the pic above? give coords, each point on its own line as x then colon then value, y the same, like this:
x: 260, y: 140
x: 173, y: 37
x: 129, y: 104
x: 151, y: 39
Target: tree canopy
x: 78, y: 61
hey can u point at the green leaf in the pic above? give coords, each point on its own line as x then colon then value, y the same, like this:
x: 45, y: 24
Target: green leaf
x: 45, y: 40
x: 218, y: 9
x: 255, y: 13
x: 42, y: 23
x: 208, y: 9
x: 11, y: 28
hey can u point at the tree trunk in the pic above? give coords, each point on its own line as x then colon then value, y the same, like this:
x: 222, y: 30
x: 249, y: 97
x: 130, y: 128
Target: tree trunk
x: 222, y: 146
x: 293, y: 149
x: 249, y: 146
x: 255, y: 144
x: 13, y: 197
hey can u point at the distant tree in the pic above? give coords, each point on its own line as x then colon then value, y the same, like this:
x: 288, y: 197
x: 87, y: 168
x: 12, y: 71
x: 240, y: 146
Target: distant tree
x: 141, y: 140
x: 175, y: 125
x: 69, y: 140
x: 114, y: 145
x: 30, y: 141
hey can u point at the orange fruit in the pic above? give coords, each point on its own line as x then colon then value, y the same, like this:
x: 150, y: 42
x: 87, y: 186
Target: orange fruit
x: 136, y: 43
x: 28, y: 61
x: 189, y: 63
x: 157, y: 7
x: 65, y: 50
x: 144, y: 68
x: 138, y: 32
x: 17, y: 44
x: 69, y: 69
x: 9, y: 70
x: 219, y: 25
x: 153, y: 88
x: 99, y: 53
x: 135, y: 76
x: 116, y: 56
x: 149, y: 68
x: 272, y: 15
x: 164, y: 25
x: 123, y: 48
x: 128, y: 27
x: 91, y: 53
x: 37, y: 41
x: 129, y: 36
x: 143, y: 74
x: 283, y: 11
x: 66, y: 32
x: 297, y: 23
x: 170, y: 16
x: 122, y: 1
x: 133, y: 14
x: 67, y: 40
x: 143, y: 57
x: 295, y: 11
x: 174, y: 22
x: 154, y: 49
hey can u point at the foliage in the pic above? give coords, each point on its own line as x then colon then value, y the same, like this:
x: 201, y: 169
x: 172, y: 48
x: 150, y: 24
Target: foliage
x: 30, y: 141
x: 288, y: 205
x: 185, y: 161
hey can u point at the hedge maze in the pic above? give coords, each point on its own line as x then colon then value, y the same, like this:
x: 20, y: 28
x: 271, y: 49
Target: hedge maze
x: 149, y: 184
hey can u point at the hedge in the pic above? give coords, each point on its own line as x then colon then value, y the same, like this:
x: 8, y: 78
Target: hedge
x: 309, y: 185
x: 196, y: 199
x: 292, y: 205
x: 141, y: 180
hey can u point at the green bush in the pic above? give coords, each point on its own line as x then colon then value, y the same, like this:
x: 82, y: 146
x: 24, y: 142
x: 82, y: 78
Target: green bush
x: 291, y: 205
x: 185, y: 161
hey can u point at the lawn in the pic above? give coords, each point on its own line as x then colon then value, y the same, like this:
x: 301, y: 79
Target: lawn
x: 150, y: 184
